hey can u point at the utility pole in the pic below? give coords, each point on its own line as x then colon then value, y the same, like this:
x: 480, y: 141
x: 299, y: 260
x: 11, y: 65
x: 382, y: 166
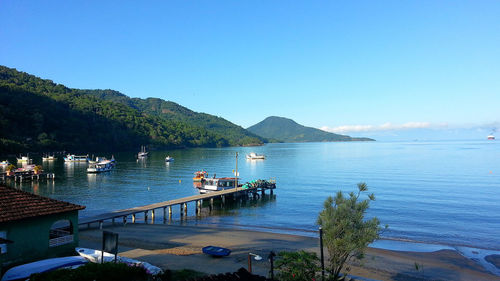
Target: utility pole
x: 236, y: 172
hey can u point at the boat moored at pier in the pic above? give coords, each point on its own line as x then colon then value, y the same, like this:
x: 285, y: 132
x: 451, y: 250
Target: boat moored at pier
x: 199, y: 176
x: 217, y: 184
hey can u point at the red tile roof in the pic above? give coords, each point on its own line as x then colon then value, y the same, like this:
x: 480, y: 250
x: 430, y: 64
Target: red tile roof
x: 16, y: 204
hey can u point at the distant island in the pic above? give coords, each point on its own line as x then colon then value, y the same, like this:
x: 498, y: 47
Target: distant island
x: 40, y: 115
x: 286, y: 130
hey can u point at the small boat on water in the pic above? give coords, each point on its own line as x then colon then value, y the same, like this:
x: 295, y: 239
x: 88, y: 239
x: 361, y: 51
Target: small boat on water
x: 216, y: 251
x: 101, y: 159
x: 199, y: 176
x: 491, y: 137
x: 169, y: 159
x: 101, y: 166
x: 95, y: 256
x: 255, y: 156
x: 143, y: 152
x: 24, y: 159
x: 24, y: 271
x: 4, y: 163
x: 76, y: 158
x: 48, y: 158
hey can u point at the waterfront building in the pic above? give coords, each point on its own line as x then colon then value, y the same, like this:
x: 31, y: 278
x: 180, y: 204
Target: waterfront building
x: 33, y: 227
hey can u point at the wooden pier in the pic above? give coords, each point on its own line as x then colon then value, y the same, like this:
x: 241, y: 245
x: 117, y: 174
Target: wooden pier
x: 26, y: 176
x: 166, y: 206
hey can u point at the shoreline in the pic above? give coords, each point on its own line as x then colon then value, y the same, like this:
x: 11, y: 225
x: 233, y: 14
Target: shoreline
x: 386, y: 243
x: 179, y: 246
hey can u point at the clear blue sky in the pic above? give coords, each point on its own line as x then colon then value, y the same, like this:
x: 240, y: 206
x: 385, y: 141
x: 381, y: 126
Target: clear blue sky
x: 353, y: 66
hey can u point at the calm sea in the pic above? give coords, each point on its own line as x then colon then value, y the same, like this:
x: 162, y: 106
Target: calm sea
x: 433, y: 192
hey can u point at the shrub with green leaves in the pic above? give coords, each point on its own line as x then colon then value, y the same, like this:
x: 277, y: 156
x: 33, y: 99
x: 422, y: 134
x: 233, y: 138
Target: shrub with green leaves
x: 297, y: 266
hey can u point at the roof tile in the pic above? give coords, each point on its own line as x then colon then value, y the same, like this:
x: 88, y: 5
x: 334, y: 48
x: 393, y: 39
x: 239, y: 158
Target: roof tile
x: 17, y: 204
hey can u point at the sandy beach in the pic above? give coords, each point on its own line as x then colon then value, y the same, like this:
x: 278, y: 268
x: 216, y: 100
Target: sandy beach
x: 179, y: 247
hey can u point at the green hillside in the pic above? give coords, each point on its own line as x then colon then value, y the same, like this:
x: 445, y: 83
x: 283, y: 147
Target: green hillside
x: 40, y: 115
x: 287, y: 130
x: 167, y: 110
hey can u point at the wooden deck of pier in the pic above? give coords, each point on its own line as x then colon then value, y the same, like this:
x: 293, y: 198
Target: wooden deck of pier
x: 26, y: 176
x: 167, y: 206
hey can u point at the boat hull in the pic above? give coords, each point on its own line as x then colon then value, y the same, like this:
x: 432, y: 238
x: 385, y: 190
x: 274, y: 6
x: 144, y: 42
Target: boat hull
x: 216, y: 251
x: 24, y: 271
x: 95, y: 257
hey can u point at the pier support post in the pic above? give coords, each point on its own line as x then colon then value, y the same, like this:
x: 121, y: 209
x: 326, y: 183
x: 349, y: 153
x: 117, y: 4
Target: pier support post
x: 271, y: 191
x: 153, y: 216
x: 223, y: 199
x: 146, y: 217
x: 170, y: 212
x: 263, y: 192
x: 164, y: 214
x: 124, y: 220
x: 198, y: 207
x: 133, y: 218
x: 182, y: 211
x: 113, y: 221
x: 185, y: 209
x: 211, y: 203
x: 100, y: 225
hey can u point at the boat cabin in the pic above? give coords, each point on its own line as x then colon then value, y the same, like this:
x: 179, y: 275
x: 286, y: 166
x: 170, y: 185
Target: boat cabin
x: 217, y: 184
x: 76, y: 158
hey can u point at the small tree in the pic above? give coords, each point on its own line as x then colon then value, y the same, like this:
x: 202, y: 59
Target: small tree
x: 10, y: 169
x: 297, y: 266
x: 37, y: 169
x: 346, y: 233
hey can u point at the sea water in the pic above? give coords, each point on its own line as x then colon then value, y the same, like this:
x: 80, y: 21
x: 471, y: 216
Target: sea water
x: 444, y: 192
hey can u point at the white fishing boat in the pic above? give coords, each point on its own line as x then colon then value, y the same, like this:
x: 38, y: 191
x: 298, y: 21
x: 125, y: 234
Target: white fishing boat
x: 169, y: 159
x: 255, y: 156
x: 95, y: 256
x: 48, y: 158
x: 101, y: 159
x: 23, y: 272
x: 25, y: 159
x: 216, y: 184
x: 491, y: 137
x: 143, y: 152
x: 76, y: 158
x: 101, y: 166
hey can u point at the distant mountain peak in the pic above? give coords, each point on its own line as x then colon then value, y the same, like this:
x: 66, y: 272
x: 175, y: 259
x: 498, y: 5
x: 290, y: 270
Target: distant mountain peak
x: 287, y: 130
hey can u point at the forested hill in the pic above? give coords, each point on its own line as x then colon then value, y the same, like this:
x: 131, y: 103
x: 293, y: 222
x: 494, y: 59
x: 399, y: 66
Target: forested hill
x: 40, y: 115
x: 287, y: 130
x: 172, y: 111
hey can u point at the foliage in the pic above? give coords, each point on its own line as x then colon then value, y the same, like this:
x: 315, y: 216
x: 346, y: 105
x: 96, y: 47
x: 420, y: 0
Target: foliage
x: 183, y: 274
x: 10, y: 167
x: 287, y: 130
x: 39, y: 115
x: 346, y: 233
x: 37, y: 168
x: 299, y: 265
